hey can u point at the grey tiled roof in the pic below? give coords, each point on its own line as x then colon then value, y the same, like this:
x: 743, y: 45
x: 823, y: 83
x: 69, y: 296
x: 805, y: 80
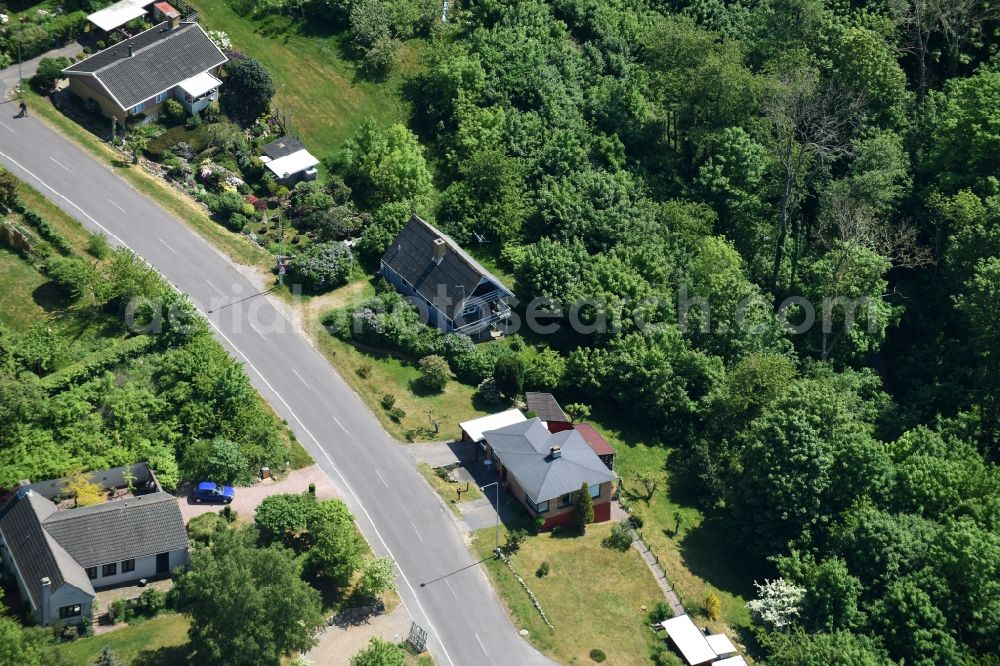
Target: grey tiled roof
x: 411, y: 256
x: 545, y: 407
x: 161, y: 58
x: 283, y: 147
x: 524, y: 449
x: 120, y: 530
x: 35, y: 553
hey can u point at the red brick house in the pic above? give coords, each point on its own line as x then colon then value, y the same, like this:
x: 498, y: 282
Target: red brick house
x: 545, y: 470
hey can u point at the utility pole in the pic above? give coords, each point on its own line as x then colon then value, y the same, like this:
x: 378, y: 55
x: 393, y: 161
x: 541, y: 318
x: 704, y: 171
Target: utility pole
x: 20, y: 75
x: 496, y: 549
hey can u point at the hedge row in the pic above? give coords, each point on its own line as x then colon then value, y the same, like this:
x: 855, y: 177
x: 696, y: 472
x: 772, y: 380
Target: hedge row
x: 388, y: 321
x: 96, y: 363
x: 47, y: 231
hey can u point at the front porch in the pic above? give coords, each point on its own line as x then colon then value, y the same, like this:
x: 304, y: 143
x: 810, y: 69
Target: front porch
x: 482, y: 312
x: 198, y: 92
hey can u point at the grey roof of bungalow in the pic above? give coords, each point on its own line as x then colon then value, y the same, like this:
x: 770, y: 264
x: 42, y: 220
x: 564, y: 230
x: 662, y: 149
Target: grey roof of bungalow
x: 526, y: 450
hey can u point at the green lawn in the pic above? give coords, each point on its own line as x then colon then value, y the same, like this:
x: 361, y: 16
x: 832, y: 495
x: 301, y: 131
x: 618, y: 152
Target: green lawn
x: 317, y: 85
x: 18, y: 307
x: 592, y: 595
x: 159, y: 641
x: 698, y: 558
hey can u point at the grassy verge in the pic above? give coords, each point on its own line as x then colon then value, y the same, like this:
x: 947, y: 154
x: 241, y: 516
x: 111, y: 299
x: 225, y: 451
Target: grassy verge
x: 238, y: 248
x: 592, y: 595
x: 318, y: 86
x: 448, y: 490
x: 19, y: 308
x: 160, y: 640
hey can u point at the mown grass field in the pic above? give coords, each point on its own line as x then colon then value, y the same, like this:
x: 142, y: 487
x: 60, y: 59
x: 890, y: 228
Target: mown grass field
x: 592, y: 595
x: 698, y: 557
x: 160, y: 641
x: 317, y: 82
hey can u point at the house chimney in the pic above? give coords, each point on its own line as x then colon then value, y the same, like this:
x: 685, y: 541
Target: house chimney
x: 175, y: 19
x: 440, y: 247
x: 46, y: 600
x: 131, y: 50
x: 555, y: 452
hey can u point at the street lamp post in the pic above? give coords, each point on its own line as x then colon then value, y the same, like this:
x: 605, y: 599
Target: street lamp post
x: 496, y: 550
x: 20, y: 75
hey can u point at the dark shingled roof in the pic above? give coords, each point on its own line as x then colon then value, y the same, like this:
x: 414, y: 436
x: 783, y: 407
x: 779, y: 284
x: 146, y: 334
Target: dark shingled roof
x: 411, y: 256
x: 34, y: 552
x: 525, y: 450
x: 283, y: 147
x: 161, y: 58
x: 120, y: 530
x: 545, y: 407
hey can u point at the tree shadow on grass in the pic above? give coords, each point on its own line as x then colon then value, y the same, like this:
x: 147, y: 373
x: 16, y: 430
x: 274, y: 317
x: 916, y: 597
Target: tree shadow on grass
x: 712, y: 551
x: 173, y: 655
x: 51, y: 297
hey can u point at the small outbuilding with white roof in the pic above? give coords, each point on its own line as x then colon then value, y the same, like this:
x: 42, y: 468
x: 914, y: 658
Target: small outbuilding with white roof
x: 731, y: 661
x: 721, y: 644
x: 689, y: 641
x: 289, y: 161
x: 472, y: 431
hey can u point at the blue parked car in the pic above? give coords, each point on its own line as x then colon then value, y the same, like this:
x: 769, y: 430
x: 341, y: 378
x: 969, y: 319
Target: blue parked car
x: 206, y: 491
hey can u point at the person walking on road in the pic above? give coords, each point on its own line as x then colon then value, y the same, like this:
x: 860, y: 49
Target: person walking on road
x: 24, y: 109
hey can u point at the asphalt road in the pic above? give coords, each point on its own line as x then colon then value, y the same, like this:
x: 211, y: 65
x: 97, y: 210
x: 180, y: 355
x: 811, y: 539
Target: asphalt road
x: 440, y: 583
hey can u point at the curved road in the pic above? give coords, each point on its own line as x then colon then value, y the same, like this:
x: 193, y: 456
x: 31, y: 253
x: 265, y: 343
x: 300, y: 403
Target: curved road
x: 439, y: 581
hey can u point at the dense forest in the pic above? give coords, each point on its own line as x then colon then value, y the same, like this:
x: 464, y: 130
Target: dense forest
x: 766, y: 158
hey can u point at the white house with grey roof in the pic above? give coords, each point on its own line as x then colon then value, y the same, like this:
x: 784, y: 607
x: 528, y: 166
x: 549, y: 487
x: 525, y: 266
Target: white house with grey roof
x: 546, y: 470
x: 137, y: 76
x: 60, y: 556
x: 452, y: 289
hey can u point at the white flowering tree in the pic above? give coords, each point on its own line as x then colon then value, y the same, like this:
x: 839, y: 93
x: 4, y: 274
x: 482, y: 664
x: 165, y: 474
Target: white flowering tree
x: 221, y: 39
x: 777, y: 605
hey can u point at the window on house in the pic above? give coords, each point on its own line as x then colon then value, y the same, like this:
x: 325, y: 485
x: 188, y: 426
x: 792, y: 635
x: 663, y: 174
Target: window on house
x: 595, y: 490
x: 541, y: 507
x: 566, y: 500
x: 162, y: 97
x: 70, y: 611
x: 128, y: 565
x: 109, y: 569
x: 137, y: 109
x: 91, y: 573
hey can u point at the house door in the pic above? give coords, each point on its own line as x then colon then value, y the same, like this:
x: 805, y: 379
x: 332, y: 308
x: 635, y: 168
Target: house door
x: 163, y: 563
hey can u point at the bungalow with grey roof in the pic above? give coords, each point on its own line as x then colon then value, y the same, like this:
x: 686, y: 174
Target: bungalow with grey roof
x: 137, y: 76
x: 545, y: 470
x: 58, y: 557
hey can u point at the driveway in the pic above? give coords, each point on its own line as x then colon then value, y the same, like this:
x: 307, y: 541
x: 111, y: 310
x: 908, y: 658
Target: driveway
x: 246, y: 500
x: 338, y: 644
x: 396, y: 510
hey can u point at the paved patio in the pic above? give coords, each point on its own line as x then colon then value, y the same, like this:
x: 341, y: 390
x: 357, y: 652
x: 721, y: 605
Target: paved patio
x: 104, y: 598
x: 247, y: 499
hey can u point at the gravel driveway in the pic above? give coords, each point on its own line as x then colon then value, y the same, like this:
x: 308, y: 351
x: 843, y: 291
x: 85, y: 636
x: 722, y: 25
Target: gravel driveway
x: 247, y: 499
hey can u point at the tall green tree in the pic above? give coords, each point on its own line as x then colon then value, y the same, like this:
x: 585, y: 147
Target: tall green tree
x: 247, y: 605
x: 248, y: 89
x: 583, y: 510
x: 386, y: 165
